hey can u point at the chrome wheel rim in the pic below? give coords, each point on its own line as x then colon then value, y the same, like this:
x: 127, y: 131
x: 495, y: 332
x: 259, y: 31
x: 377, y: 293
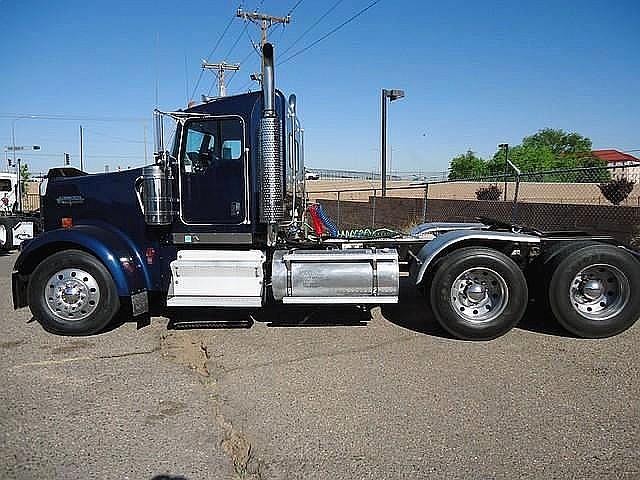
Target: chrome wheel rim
x: 599, y: 292
x: 479, y: 295
x: 72, y: 294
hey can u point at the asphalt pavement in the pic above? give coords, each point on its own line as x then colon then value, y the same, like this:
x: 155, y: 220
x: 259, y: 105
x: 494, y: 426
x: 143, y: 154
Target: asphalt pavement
x: 323, y: 393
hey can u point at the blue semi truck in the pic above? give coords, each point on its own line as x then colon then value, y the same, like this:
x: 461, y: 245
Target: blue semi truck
x: 221, y: 219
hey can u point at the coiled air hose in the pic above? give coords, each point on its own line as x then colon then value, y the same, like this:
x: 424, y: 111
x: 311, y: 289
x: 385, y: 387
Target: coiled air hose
x: 321, y: 222
x: 318, y: 227
x: 333, y: 231
x: 365, y: 233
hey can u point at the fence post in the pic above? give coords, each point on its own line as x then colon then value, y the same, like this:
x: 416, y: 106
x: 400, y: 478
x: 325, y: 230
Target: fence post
x: 373, y: 213
x: 338, y: 219
x: 424, y: 204
x: 514, y: 209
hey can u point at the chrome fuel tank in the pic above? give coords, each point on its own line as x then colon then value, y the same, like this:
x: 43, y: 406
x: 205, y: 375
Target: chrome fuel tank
x: 155, y: 196
x: 336, y: 276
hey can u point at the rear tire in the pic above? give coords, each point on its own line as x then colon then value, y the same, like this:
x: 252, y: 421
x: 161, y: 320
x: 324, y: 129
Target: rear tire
x: 72, y: 293
x: 541, y: 269
x: 478, y: 293
x: 593, y: 290
x: 6, y: 234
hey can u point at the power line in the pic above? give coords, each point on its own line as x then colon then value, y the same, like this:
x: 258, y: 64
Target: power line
x: 246, y: 25
x: 69, y: 117
x: 212, y: 52
x: 244, y: 29
x: 322, y: 17
x: 43, y: 155
x: 233, y: 74
x: 219, y: 69
x: 294, y: 7
x: 263, y: 20
x: 331, y: 32
x: 113, y: 137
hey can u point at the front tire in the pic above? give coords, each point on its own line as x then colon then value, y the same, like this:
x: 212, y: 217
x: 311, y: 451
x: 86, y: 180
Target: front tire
x: 593, y: 290
x: 478, y: 293
x: 72, y: 293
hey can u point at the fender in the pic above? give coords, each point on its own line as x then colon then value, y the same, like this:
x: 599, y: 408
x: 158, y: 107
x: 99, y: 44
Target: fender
x: 112, y: 247
x: 432, y: 250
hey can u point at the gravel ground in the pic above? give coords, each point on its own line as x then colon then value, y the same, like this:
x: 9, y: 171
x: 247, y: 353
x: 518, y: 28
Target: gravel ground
x: 341, y: 394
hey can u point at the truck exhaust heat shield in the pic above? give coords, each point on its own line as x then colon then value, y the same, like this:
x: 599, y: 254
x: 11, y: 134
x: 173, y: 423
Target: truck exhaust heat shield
x: 271, y: 210
x: 270, y: 147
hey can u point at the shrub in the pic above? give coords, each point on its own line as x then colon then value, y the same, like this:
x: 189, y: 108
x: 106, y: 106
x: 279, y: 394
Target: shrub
x: 617, y: 189
x: 492, y: 192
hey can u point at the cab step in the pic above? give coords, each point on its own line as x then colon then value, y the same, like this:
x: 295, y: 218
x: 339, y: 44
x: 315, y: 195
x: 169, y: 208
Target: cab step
x: 208, y: 324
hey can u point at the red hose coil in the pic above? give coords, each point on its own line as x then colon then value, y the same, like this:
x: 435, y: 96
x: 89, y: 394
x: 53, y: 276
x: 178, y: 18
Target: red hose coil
x: 318, y: 226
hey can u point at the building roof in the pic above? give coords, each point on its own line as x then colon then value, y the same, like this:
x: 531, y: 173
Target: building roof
x: 614, y: 156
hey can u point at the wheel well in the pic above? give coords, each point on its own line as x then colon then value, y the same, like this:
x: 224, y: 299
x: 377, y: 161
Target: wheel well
x: 43, y: 252
x: 505, y: 247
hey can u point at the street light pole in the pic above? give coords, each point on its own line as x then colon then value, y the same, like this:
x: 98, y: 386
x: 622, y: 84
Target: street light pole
x: 391, y: 95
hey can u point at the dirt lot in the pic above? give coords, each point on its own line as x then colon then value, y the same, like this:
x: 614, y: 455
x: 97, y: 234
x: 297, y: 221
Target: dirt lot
x: 383, y: 396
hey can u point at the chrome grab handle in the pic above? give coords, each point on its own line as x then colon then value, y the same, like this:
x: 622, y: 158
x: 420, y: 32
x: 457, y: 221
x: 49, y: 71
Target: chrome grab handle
x: 137, y: 186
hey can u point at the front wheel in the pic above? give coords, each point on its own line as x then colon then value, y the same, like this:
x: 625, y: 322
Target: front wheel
x: 478, y: 293
x: 72, y: 293
x: 591, y: 292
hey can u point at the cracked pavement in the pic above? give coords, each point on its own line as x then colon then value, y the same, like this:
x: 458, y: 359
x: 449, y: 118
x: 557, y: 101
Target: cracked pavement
x: 392, y: 397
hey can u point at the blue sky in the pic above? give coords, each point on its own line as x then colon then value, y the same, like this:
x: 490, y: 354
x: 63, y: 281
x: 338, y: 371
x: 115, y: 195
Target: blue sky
x: 475, y: 74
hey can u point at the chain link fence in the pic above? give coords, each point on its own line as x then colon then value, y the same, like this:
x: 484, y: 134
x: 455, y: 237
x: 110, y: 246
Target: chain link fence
x: 31, y: 202
x: 603, y: 200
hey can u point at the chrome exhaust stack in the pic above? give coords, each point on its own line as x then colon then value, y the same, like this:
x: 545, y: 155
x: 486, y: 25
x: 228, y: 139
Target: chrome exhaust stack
x: 271, y: 168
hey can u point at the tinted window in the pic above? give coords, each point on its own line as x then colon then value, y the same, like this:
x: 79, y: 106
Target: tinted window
x: 5, y: 185
x: 212, y: 172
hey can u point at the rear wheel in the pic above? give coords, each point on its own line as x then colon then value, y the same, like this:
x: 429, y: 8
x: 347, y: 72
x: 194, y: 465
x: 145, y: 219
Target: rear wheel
x: 478, y: 293
x: 72, y: 293
x: 6, y: 234
x: 591, y: 290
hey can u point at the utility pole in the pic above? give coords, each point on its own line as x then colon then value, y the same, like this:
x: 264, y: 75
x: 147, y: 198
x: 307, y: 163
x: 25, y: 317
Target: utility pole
x: 81, y: 151
x: 263, y: 20
x: 220, y: 68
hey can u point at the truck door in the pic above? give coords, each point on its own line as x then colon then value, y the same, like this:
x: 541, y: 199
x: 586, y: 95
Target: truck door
x: 213, y: 172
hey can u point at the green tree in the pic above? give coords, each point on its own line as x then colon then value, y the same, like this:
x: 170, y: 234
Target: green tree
x: 560, y: 143
x: 547, y: 149
x: 569, y: 149
x: 467, y: 165
x: 25, y: 175
x: 528, y: 158
x: 550, y: 149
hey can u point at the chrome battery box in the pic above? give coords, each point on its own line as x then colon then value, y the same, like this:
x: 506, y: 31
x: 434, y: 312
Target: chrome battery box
x: 336, y: 276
